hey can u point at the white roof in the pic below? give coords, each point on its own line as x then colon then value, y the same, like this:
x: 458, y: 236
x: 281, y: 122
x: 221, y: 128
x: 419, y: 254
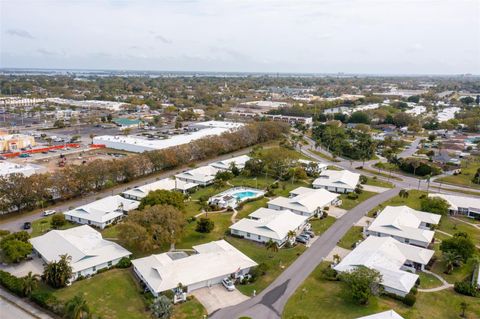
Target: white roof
x: 165, y: 184
x: 389, y: 314
x: 7, y: 168
x: 138, y: 144
x: 332, y: 178
x: 270, y: 223
x: 387, y: 255
x: 403, y: 221
x: 225, y: 164
x: 213, y: 260
x: 456, y: 201
x: 305, y: 199
x: 319, y: 165
x: 203, y: 174
x: 104, y: 209
x: 84, y: 244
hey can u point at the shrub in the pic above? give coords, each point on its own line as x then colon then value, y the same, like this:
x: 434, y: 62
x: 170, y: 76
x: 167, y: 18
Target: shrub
x: 352, y: 196
x: 363, y: 179
x: 409, y: 299
x: 466, y: 288
x: 259, y: 271
x: 329, y: 273
x: 125, y: 262
x: 12, y: 283
x: 205, y: 225
x: 58, y: 220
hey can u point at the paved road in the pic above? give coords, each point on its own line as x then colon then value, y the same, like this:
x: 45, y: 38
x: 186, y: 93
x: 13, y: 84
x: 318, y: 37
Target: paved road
x: 14, y: 222
x: 409, y: 151
x: 270, y: 303
x: 13, y: 307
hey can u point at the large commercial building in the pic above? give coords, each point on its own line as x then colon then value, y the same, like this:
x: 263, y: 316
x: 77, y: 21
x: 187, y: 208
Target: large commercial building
x: 15, y: 142
x: 140, y: 145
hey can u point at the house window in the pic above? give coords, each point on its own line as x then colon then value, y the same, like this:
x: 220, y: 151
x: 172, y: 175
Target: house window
x: 259, y: 236
x: 407, y: 241
x: 248, y: 235
x: 94, y: 268
x: 109, y: 264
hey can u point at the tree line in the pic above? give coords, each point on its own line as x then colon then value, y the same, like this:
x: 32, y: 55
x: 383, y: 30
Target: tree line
x: 19, y: 192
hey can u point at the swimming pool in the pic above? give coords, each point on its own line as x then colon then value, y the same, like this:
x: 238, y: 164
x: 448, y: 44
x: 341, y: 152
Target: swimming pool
x: 233, y: 196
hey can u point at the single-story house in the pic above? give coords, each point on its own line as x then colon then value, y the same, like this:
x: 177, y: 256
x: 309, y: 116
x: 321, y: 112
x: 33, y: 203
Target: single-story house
x: 395, y: 261
x: 389, y: 314
x: 405, y: 224
x: 337, y: 181
x: 169, y: 184
x: 305, y: 201
x: 208, y: 266
x: 103, y: 212
x: 312, y: 167
x: 226, y: 164
x: 463, y: 205
x: 266, y: 224
x: 204, y: 175
x: 88, y: 250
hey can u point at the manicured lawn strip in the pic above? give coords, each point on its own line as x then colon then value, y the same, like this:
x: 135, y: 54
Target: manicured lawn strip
x: 428, y: 281
x: 190, y: 309
x: 113, y: 294
x: 350, y: 203
x: 286, y: 187
x: 325, y: 156
x: 378, y: 182
x: 379, y: 173
x: 190, y: 237
x: 319, y: 226
x: 319, y: 298
x: 277, y: 262
x: 250, y: 207
x: 260, y: 182
x: 353, y: 235
x: 42, y: 226
x: 192, y: 208
x: 208, y: 191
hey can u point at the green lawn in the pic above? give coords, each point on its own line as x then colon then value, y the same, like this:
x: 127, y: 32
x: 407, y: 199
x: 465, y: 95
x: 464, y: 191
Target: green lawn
x: 319, y: 298
x: 113, y: 294
x: 260, y: 182
x: 428, y: 281
x: 353, y: 235
x: 378, y: 182
x: 379, y: 173
x: 250, y: 207
x: 465, y: 177
x: 412, y: 201
x: 191, y: 237
x: 277, y: 262
x: 324, y: 156
x: 319, y: 226
x: 350, y: 203
x: 42, y: 226
x: 453, y: 226
x: 190, y: 309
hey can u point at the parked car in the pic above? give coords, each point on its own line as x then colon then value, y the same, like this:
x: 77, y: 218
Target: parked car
x: 49, y: 212
x: 301, y: 239
x: 27, y: 225
x: 2, y: 158
x: 309, y: 233
x: 24, y: 155
x: 228, y: 284
x: 307, y: 237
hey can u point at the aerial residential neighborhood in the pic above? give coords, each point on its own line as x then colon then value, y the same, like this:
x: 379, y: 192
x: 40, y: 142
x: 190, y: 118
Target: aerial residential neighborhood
x: 281, y: 159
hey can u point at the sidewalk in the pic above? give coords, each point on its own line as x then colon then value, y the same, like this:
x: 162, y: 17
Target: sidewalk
x: 15, y: 307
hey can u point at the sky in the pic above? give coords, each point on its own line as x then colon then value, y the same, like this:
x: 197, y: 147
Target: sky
x: 322, y: 36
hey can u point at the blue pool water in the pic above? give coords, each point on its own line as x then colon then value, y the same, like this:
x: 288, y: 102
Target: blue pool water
x: 245, y: 194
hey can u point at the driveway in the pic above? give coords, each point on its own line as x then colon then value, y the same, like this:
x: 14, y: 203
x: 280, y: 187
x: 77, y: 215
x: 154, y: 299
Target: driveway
x: 336, y: 212
x: 22, y: 269
x: 217, y: 297
x: 375, y: 189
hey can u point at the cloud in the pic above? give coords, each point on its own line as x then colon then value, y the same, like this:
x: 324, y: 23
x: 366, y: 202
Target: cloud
x: 163, y: 39
x: 46, y: 52
x: 20, y: 33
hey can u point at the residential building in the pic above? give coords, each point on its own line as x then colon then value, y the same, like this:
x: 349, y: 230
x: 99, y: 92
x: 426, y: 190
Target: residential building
x: 389, y: 314
x: 204, y: 175
x: 312, y: 167
x: 405, y: 224
x: 266, y: 224
x: 395, y: 261
x: 305, y: 201
x: 209, y: 264
x: 462, y: 205
x: 169, y: 184
x: 88, y: 250
x: 337, y: 181
x: 225, y: 165
x: 103, y: 212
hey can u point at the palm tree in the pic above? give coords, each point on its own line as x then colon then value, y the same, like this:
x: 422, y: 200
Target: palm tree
x: 451, y: 260
x: 92, y: 136
x: 415, y: 164
x: 77, y: 308
x: 403, y: 193
x: 291, y: 234
x: 58, y: 273
x: 271, y: 245
x: 30, y: 282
